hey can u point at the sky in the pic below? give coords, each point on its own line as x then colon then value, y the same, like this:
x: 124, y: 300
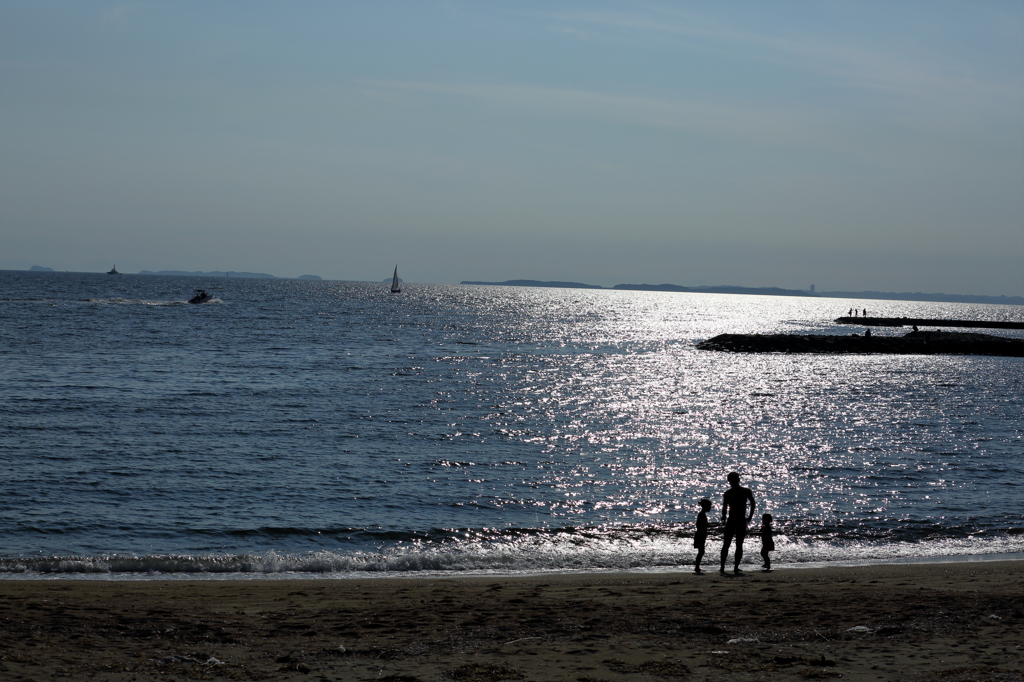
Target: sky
x: 851, y: 145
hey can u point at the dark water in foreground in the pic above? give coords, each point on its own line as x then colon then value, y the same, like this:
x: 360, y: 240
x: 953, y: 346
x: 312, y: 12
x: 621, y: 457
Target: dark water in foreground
x: 332, y: 427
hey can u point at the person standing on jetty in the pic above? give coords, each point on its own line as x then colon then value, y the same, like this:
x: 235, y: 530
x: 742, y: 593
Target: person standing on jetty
x: 700, y: 538
x: 736, y: 518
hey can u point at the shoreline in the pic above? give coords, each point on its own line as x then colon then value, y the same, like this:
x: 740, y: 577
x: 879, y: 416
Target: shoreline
x: 209, y: 576
x: 954, y: 621
x: 213, y: 576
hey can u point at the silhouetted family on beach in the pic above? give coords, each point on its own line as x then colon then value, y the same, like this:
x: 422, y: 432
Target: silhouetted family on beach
x: 735, y: 518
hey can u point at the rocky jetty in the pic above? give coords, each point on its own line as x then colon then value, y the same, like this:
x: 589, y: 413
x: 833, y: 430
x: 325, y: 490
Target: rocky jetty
x: 914, y: 343
x: 927, y: 322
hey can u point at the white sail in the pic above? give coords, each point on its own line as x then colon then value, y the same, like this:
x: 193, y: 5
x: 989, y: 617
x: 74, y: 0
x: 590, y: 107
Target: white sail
x: 394, y: 282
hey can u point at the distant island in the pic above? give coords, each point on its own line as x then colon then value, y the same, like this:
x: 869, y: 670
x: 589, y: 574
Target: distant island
x: 768, y: 291
x: 40, y: 268
x: 760, y: 291
x: 535, y: 283
x: 315, y: 278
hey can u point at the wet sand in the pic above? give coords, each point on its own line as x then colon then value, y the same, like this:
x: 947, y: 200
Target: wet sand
x: 953, y: 622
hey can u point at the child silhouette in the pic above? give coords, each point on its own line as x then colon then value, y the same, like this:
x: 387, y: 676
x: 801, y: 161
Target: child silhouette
x: 767, y: 543
x: 701, y: 537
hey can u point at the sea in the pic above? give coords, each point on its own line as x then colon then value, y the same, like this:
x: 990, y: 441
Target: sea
x: 333, y: 429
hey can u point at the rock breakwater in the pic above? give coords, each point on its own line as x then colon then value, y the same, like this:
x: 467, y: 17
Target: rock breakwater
x: 927, y: 322
x: 914, y: 343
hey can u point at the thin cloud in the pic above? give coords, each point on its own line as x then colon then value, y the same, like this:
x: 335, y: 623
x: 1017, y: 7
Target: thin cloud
x: 886, y: 70
x: 723, y: 120
x: 800, y: 126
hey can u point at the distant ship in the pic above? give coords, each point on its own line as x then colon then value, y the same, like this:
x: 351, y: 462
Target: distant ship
x: 395, y: 288
x: 113, y: 271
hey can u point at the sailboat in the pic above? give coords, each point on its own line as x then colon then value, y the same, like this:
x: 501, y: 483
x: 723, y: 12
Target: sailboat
x: 395, y: 288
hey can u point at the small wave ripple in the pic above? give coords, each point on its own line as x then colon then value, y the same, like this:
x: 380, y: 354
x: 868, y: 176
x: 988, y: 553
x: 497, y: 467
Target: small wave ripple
x: 505, y: 558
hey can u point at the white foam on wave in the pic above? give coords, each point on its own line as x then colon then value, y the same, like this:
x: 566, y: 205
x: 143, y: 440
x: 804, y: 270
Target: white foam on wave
x: 139, y: 301
x: 532, y: 555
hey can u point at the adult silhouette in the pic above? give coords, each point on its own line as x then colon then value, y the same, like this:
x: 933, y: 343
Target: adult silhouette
x: 736, y: 518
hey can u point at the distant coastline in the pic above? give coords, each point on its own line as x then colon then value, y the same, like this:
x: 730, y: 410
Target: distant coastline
x: 200, y: 273
x: 723, y: 289
x: 769, y: 291
x: 535, y: 283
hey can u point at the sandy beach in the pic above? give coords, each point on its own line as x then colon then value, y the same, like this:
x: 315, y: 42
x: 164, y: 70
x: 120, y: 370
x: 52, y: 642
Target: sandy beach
x: 957, y: 621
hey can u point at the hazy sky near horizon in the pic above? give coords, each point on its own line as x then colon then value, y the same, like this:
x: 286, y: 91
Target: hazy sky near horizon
x: 853, y: 145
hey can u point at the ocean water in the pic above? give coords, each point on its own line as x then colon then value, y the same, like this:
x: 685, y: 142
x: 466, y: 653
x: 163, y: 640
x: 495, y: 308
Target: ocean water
x: 332, y: 428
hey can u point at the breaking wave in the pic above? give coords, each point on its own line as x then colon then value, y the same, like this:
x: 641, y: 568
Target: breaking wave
x: 527, y: 555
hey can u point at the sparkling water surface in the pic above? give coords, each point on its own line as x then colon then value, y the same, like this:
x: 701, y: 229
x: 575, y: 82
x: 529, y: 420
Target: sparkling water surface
x: 335, y: 428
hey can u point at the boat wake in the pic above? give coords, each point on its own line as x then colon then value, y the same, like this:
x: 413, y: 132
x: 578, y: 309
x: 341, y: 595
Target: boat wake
x: 139, y: 301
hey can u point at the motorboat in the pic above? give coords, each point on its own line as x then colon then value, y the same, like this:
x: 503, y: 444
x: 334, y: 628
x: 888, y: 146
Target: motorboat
x: 200, y: 297
x: 113, y: 271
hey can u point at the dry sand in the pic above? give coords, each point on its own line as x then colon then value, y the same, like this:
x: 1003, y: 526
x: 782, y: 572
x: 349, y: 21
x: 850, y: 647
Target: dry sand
x: 949, y: 622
